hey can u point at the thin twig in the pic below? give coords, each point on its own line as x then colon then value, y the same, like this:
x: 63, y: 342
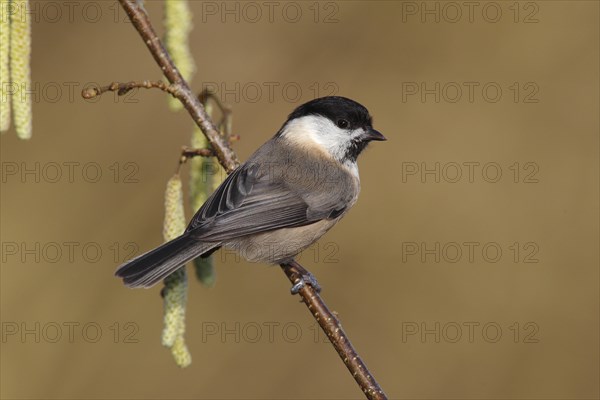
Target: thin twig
x: 124, y: 88
x: 207, y: 94
x: 188, y: 152
x: 294, y: 271
x: 225, y: 123
x: 181, y: 89
x: 333, y: 329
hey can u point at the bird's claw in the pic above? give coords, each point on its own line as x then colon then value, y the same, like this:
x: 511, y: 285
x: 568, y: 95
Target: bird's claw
x: 304, y: 280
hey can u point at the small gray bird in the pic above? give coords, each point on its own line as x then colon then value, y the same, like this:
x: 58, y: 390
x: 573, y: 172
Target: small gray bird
x: 291, y: 191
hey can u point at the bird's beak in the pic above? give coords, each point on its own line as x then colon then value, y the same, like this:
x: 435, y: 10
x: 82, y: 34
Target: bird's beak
x: 372, y: 134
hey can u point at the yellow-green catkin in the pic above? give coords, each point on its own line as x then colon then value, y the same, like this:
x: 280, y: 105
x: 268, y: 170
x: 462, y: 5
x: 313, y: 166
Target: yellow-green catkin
x: 175, y: 290
x: 20, y: 74
x: 4, y: 71
x: 178, y: 25
x: 181, y: 353
x: 175, y: 298
x: 174, y: 224
x: 202, y: 172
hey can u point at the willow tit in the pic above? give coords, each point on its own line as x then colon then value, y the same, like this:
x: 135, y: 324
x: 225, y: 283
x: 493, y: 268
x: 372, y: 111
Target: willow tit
x: 291, y: 191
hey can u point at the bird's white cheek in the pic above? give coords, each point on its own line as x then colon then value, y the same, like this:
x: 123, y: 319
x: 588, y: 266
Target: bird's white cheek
x: 334, y: 143
x: 312, y: 132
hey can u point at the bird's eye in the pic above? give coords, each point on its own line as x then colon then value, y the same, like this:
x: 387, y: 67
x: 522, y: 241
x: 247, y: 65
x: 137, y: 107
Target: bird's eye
x: 342, y: 123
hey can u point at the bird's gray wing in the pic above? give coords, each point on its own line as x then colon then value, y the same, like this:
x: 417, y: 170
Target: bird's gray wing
x: 251, y: 201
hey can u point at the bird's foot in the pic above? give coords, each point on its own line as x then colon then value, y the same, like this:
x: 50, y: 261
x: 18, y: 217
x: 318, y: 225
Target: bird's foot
x: 306, y: 279
x: 299, y: 276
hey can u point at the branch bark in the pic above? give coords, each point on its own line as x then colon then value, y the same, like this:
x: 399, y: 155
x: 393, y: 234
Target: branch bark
x: 124, y: 88
x: 333, y: 329
x: 181, y: 89
x: 227, y: 158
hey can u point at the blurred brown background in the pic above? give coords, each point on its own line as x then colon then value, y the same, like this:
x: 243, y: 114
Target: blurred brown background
x: 413, y: 271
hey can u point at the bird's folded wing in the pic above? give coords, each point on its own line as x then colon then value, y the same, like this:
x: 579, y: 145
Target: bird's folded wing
x: 250, y: 202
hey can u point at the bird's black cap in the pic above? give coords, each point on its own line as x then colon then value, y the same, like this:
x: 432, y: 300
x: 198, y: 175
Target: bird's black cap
x: 336, y: 108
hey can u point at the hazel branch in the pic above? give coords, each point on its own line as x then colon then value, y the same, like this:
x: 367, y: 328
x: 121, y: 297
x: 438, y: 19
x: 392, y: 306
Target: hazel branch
x: 227, y: 158
x: 333, y: 329
x: 181, y: 89
x: 188, y: 152
x: 124, y: 88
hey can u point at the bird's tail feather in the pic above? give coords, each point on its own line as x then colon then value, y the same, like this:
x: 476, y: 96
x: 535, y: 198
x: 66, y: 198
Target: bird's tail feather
x: 149, y: 268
